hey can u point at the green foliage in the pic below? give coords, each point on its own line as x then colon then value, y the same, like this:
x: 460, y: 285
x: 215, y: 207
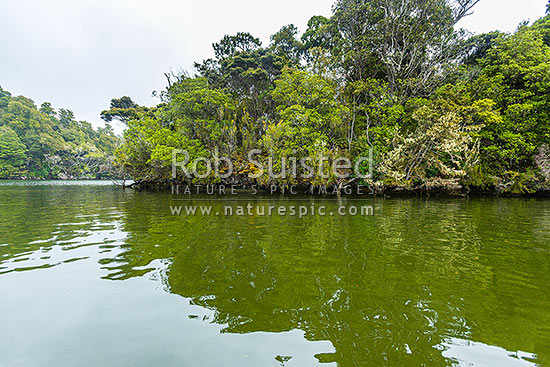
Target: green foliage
x: 318, y: 34
x: 247, y: 71
x: 122, y: 109
x: 12, y: 153
x: 231, y: 45
x: 47, y: 109
x: 285, y: 44
x: 4, y: 98
x: 41, y: 143
x: 147, y: 149
x: 478, y: 46
x: 396, y: 77
x: 311, y: 124
x: 516, y: 75
x: 443, y: 147
x: 410, y: 44
x: 205, y: 114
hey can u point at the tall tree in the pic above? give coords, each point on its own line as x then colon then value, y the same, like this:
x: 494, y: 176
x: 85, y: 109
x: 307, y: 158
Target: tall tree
x: 285, y: 44
x: 122, y: 109
x: 246, y: 70
x: 231, y: 45
x: 47, y: 109
x: 410, y: 43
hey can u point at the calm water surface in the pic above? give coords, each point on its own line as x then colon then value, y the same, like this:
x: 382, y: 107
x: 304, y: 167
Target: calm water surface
x: 91, y: 275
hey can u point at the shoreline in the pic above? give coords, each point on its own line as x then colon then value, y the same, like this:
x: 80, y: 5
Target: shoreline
x: 370, y: 190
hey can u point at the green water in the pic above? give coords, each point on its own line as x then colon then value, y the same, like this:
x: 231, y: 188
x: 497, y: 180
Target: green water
x: 91, y: 275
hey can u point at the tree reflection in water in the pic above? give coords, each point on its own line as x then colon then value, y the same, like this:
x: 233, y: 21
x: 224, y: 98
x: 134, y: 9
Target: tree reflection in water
x: 423, y: 282
x: 390, y: 288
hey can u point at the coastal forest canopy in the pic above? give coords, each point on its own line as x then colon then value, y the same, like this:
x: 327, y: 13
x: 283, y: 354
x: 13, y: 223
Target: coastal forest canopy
x: 440, y: 108
x: 39, y: 142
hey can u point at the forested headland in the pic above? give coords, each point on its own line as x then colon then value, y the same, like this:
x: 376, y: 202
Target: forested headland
x: 41, y: 143
x: 440, y: 108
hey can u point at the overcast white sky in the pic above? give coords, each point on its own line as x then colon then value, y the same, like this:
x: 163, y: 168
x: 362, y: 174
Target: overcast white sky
x: 78, y: 54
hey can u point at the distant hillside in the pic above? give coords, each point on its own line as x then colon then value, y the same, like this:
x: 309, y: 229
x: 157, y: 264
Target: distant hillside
x: 44, y: 143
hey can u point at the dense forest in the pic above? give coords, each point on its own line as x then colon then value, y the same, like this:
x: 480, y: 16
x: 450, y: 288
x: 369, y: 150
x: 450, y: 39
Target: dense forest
x: 441, y: 108
x: 41, y: 143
